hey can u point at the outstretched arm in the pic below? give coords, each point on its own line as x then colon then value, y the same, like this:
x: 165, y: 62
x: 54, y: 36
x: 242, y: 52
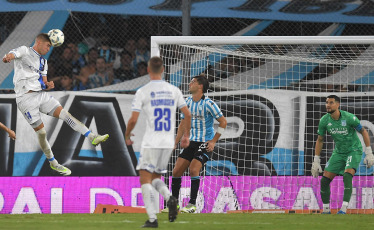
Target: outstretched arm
x: 8, y: 57
x: 222, y: 125
x: 11, y: 133
x: 130, y: 126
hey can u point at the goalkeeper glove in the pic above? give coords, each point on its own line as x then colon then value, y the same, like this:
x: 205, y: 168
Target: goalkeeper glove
x: 316, y: 166
x: 369, y: 158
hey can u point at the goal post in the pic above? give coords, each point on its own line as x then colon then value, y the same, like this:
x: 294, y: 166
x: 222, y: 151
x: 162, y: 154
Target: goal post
x: 272, y: 91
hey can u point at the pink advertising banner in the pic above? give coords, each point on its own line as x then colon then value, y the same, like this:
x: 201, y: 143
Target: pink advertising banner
x: 217, y: 193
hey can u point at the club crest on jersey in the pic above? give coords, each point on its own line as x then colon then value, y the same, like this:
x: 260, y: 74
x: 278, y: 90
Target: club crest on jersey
x: 344, y: 123
x: 153, y: 94
x: 200, y: 107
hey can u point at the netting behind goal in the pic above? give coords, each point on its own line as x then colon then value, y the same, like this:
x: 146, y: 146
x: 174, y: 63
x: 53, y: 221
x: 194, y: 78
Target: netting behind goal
x: 272, y: 91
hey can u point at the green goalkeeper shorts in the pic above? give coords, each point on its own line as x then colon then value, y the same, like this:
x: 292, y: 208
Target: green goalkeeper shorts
x: 339, y: 162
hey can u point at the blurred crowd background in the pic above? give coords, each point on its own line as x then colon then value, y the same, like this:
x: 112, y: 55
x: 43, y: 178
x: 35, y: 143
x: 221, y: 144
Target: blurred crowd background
x: 107, y: 49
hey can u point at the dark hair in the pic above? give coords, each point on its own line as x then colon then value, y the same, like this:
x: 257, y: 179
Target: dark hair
x: 337, y: 99
x: 155, y: 65
x: 101, y: 57
x: 125, y: 52
x: 202, y: 80
x: 43, y: 37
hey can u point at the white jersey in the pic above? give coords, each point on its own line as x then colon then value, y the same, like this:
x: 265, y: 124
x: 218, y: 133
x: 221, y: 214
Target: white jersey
x: 29, y: 67
x: 159, y: 101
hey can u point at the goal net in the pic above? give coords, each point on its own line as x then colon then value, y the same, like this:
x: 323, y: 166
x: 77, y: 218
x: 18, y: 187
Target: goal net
x: 272, y: 91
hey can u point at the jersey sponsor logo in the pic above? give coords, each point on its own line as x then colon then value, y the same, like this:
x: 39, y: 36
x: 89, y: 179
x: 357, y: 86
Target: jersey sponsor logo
x: 197, y: 117
x: 153, y: 94
x: 344, y: 123
x: 342, y: 131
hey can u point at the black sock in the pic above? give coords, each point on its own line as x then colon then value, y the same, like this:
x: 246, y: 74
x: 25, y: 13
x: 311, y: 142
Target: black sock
x: 176, y: 186
x: 195, y: 184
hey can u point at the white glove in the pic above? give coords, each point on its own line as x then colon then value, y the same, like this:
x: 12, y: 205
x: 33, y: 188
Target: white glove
x: 369, y: 158
x: 316, y: 166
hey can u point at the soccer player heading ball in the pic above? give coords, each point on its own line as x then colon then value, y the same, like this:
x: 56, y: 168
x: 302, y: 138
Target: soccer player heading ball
x: 346, y: 157
x: 30, y: 81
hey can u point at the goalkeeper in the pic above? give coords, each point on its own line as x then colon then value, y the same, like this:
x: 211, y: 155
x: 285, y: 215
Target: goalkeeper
x: 346, y: 157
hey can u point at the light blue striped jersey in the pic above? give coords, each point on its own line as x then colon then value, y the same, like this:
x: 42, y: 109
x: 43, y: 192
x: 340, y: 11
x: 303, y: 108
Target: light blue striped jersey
x: 203, y: 113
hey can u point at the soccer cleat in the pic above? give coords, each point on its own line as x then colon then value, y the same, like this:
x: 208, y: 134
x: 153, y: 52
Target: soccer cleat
x: 166, y: 210
x: 326, y: 213
x: 173, y: 208
x: 149, y: 224
x: 99, y: 138
x: 341, y: 212
x: 61, y: 169
x: 190, y: 208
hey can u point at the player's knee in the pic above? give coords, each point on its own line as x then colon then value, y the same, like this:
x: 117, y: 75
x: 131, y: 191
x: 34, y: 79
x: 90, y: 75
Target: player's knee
x: 194, y: 171
x: 37, y: 125
x: 177, y: 172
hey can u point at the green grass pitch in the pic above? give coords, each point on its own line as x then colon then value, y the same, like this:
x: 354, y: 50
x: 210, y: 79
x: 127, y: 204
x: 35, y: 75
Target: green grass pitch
x: 186, y: 221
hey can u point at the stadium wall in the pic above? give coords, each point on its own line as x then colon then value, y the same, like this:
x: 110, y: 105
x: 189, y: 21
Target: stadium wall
x: 106, y: 174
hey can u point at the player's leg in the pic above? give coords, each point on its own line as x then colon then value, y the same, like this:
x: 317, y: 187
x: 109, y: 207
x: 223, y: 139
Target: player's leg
x: 352, y: 163
x: 28, y: 105
x: 46, y: 148
x: 333, y: 167
x: 161, y: 157
x: 201, y: 156
x: 184, y: 160
x: 146, y: 169
x: 148, y: 198
x: 325, y: 190
x: 78, y: 126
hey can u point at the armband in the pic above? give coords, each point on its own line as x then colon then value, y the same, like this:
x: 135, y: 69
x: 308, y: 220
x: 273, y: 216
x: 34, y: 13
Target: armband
x: 220, y: 130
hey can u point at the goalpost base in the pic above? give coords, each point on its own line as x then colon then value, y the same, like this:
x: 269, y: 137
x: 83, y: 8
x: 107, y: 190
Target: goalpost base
x: 304, y: 211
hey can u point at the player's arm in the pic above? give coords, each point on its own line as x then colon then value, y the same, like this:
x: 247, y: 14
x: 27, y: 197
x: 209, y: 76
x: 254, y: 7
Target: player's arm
x: 221, y: 128
x: 8, y: 57
x: 48, y: 84
x: 180, y: 132
x: 185, y: 142
x: 316, y: 165
x: 130, y: 126
x: 319, y: 146
x: 369, y: 157
x: 10, y: 132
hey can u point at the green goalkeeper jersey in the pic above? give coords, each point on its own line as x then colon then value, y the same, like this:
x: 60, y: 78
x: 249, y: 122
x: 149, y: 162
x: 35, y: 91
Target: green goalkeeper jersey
x: 343, y: 131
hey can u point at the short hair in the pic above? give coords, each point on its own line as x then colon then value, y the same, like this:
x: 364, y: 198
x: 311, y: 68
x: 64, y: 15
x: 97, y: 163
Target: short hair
x: 202, y: 80
x: 337, y: 99
x: 101, y: 57
x: 125, y: 52
x: 155, y: 65
x: 43, y: 37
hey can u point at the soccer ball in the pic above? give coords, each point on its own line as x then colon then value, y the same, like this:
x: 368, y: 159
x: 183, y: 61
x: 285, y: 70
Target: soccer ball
x: 56, y: 36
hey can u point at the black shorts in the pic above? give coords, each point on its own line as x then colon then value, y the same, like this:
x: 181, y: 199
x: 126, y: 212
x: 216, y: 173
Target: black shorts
x: 196, y: 150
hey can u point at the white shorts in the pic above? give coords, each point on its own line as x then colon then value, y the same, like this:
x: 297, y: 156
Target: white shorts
x: 154, y: 160
x: 31, y: 104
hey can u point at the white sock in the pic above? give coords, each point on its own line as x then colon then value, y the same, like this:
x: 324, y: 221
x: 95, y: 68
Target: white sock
x: 46, y: 148
x: 344, y: 206
x: 160, y: 187
x: 149, y: 199
x: 326, y: 207
x: 76, y: 125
